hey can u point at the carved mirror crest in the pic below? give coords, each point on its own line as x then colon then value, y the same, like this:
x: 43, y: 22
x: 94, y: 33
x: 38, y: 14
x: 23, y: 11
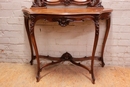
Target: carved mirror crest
x: 88, y: 3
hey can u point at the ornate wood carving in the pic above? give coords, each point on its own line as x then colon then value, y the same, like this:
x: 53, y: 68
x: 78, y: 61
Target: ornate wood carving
x: 31, y: 16
x: 88, y: 3
x: 32, y: 24
x: 95, y: 3
x: 96, y: 21
x: 66, y: 56
x: 63, y: 21
x: 66, y: 2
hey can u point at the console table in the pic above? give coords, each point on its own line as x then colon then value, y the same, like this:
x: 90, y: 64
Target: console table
x: 63, y: 16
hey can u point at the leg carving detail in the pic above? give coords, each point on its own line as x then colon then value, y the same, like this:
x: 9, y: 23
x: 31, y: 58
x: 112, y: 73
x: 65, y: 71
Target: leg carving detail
x: 26, y: 21
x: 96, y: 21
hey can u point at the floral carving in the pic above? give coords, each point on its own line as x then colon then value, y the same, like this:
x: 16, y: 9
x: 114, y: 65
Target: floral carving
x: 63, y: 21
x: 95, y: 3
x: 96, y: 21
x: 32, y: 23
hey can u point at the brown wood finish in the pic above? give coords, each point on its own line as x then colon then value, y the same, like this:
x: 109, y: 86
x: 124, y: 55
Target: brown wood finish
x: 94, y: 11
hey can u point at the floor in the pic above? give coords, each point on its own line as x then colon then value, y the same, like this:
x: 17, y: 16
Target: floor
x: 62, y: 75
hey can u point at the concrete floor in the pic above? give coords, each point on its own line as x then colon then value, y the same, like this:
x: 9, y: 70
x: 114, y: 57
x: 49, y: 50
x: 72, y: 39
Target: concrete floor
x: 62, y: 75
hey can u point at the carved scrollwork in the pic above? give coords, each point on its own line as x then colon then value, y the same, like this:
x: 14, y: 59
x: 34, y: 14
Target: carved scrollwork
x: 66, y: 56
x: 32, y: 23
x: 67, y: 2
x: 63, y: 21
x: 44, y: 3
x: 96, y: 22
x: 39, y: 3
x: 95, y: 3
x: 34, y: 4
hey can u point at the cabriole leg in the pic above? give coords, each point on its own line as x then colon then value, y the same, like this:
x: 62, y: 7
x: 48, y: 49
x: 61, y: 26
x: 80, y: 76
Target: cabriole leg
x: 104, y: 41
x: 96, y: 22
x: 33, y: 40
x: 26, y: 21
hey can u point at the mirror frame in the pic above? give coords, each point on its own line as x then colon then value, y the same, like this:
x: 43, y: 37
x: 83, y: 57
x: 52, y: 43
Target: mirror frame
x: 88, y: 3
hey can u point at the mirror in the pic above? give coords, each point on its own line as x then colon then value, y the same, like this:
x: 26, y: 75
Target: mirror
x: 88, y: 3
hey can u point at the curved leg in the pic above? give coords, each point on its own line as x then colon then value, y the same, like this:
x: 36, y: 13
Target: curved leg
x: 96, y: 22
x: 105, y: 39
x: 32, y: 23
x: 26, y: 21
x: 37, y: 55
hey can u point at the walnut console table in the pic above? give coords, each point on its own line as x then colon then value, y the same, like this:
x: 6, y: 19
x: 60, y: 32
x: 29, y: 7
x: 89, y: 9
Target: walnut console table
x: 94, y: 11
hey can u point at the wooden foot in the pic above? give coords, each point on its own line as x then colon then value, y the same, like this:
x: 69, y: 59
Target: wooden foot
x: 38, y: 76
x: 102, y: 61
x: 31, y: 61
x: 93, y: 78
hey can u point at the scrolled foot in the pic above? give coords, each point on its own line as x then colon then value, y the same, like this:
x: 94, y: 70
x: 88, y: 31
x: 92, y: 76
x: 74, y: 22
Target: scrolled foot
x: 93, y: 77
x: 93, y: 81
x: 102, y: 62
x: 37, y: 78
x: 31, y: 61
